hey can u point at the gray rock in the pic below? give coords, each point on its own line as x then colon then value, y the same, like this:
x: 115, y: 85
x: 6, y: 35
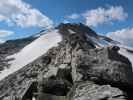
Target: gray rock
x: 103, y: 65
x: 91, y: 91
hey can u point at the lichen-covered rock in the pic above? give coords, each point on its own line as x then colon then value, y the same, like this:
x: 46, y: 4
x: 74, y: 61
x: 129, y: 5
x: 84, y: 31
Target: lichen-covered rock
x: 102, y: 65
x: 91, y: 91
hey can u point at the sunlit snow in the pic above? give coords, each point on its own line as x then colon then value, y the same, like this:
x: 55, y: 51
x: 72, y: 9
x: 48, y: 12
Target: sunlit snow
x: 71, y: 31
x: 32, y: 51
x: 127, y: 54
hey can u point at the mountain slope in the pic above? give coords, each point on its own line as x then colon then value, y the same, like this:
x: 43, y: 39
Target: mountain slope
x: 59, y: 60
x: 10, y: 47
x: 31, y: 52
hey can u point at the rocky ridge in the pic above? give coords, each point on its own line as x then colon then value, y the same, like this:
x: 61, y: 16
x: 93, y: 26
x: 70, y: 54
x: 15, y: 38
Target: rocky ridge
x: 74, y: 70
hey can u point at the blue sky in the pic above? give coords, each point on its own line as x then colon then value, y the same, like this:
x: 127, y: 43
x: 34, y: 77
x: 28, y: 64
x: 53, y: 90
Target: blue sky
x: 21, y: 18
x: 58, y: 9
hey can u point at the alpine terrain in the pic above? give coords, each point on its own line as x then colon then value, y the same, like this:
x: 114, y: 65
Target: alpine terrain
x: 69, y: 62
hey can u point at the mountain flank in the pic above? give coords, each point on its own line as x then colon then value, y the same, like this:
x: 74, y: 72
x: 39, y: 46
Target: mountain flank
x: 83, y: 66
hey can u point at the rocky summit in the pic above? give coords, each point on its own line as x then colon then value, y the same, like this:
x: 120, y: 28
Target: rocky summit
x: 80, y: 67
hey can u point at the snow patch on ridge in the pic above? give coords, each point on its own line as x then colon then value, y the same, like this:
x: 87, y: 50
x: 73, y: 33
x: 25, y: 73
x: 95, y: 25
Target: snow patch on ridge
x: 2, y: 41
x: 71, y: 31
x: 31, y: 52
x: 123, y: 51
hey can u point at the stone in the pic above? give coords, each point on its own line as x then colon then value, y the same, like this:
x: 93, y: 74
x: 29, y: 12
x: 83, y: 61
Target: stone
x: 90, y: 91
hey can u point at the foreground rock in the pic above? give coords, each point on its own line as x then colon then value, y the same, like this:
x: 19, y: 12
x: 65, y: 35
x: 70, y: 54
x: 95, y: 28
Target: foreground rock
x: 91, y: 91
x: 104, y: 65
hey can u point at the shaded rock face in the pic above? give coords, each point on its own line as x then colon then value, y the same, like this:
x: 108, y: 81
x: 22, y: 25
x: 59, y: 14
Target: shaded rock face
x: 54, y: 87
x: 104, y: 64
x: 50, y: 97
x: 75, y: 60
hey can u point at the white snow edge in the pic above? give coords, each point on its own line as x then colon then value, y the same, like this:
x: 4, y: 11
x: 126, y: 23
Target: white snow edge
x: 32, y: 51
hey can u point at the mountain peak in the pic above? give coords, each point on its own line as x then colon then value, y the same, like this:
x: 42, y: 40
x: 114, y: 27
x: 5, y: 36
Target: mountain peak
x: 70, y: 28
x: 62, y: 57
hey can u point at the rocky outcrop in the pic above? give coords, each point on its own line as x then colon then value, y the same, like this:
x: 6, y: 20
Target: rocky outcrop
x: 90, y: 91
x: 104, y: 64
x: 75, y: 69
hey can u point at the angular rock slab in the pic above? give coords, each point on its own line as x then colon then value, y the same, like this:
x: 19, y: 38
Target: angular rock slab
x: 91, y: 91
